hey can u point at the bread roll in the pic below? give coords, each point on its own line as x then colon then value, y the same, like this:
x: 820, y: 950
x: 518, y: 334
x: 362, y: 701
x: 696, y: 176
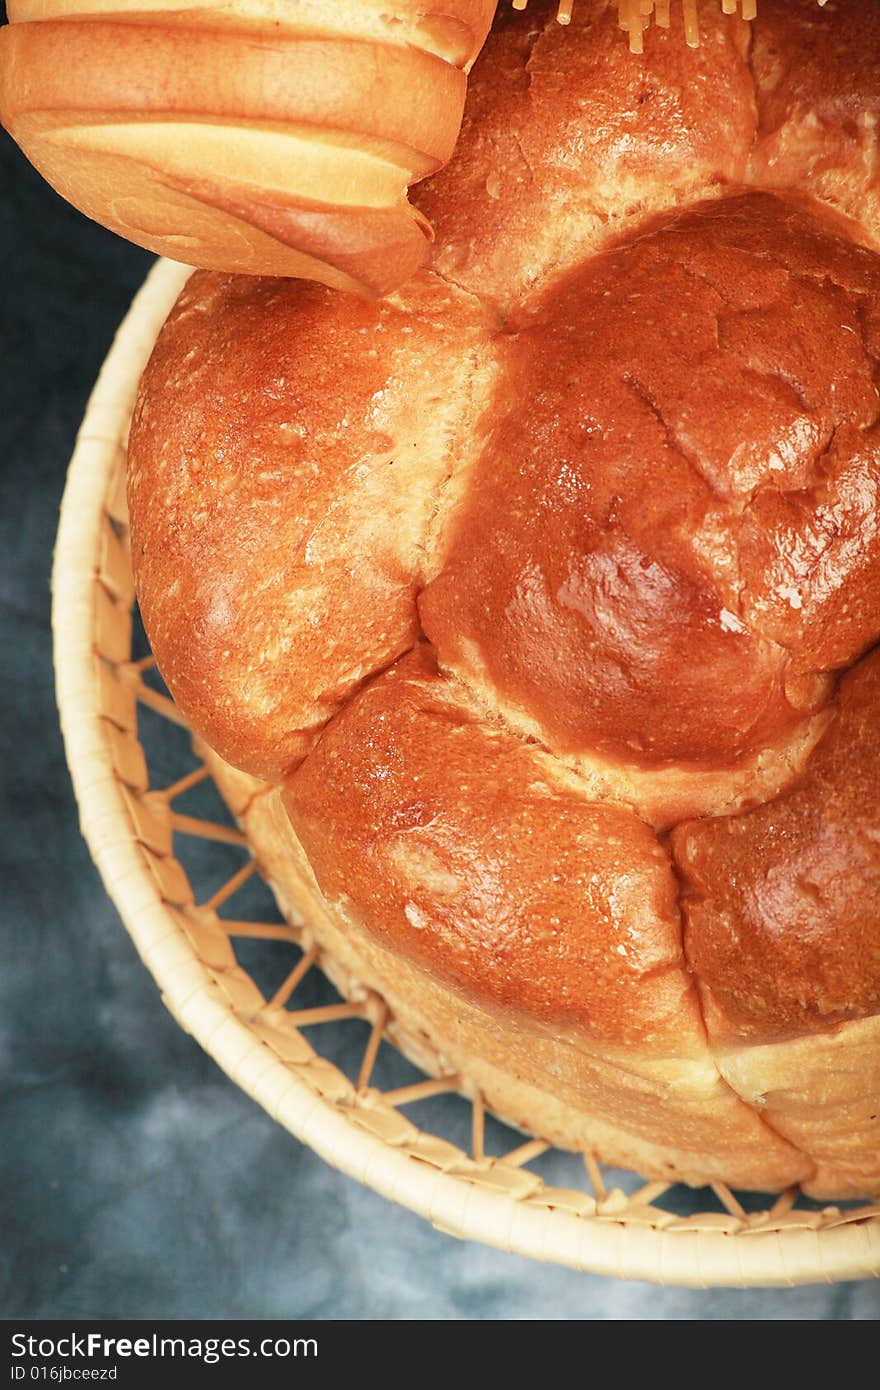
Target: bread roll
x: 259, y: 137
x: 540, y: 603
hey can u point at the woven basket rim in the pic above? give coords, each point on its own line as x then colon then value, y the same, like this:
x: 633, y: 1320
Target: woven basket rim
x: 687, y: 1255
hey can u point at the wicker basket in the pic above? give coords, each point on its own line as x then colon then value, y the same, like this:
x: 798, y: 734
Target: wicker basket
x: 132, y: 831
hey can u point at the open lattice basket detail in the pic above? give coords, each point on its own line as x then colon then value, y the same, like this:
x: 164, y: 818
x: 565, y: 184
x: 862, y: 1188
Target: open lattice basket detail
x: 196, y: 940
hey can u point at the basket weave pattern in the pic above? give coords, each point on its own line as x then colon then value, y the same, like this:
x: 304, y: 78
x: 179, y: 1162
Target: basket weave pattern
x: 131, y: 825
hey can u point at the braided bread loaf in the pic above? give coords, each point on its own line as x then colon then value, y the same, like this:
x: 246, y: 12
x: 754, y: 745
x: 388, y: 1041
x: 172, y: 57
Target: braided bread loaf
x: 260, y: 136
x: 537, y: 605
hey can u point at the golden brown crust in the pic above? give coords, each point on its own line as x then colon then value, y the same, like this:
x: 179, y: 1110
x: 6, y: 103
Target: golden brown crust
x: 817, y: 85
x: 633, y: 505
x: 782, y: 927
x: 297, y: 474
x: 671, y: 1118
x: 457, y: 847
x: 279, y: 142
x: 567, y: 140
x: 674, y: 410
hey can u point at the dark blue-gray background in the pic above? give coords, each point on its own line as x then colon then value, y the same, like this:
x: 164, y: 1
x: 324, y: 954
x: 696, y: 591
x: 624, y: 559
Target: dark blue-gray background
x: 137, y: 1181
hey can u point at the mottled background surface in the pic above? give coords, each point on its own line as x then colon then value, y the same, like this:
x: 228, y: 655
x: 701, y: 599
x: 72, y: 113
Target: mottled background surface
x: 137, y: 1181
